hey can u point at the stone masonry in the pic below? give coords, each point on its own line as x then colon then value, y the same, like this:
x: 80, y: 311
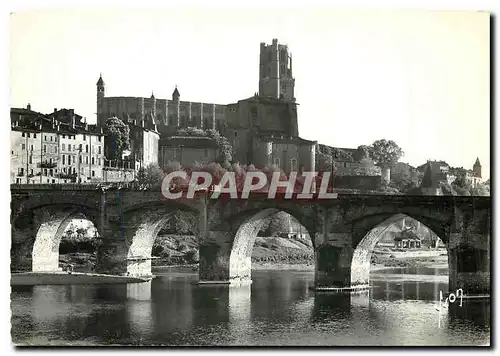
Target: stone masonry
x: 344, y: 231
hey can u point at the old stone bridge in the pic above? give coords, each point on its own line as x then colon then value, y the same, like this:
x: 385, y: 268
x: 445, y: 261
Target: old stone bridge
x: 343, y: 231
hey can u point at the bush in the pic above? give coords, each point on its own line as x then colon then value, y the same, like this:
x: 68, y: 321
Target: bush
x: 192, y: 256
x: 157, y: 250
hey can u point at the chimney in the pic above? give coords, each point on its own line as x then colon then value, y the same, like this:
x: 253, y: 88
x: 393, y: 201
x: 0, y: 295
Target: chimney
x: 28, y: 107
x: 72, y: 118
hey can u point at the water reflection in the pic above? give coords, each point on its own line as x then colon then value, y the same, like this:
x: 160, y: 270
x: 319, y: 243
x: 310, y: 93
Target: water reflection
x: 240, y: 312
x: 139, y: 309
x: 277, y: 309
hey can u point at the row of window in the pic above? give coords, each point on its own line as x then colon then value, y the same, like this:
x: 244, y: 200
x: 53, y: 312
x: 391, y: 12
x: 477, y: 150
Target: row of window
x: 50, y: 172
x: 63, y: 148
x: 293, y: 163
x: 80, y: 160
x: 28, y: 135
x: 79, y: 148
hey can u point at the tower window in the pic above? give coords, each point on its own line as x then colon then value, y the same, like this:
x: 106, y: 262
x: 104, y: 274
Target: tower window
x: 277, y: 162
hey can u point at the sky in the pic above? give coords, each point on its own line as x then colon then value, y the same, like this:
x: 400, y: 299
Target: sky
x: 417, y: 77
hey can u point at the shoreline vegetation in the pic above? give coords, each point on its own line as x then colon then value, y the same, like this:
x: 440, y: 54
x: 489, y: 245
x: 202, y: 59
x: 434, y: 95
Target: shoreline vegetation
x: 403, y: 262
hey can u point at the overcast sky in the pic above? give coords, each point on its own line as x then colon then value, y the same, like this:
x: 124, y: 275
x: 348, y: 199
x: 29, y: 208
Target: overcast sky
x: 419, y: 78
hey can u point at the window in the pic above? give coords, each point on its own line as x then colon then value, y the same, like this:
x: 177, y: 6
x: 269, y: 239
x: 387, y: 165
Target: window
x: 99, y: 161
x: 64, y: 170
x: 28, y: 135
x: 34, y: 135
x: 93, y: 160
x: 30, y: 159
x: 63, y: 147
x: 45, y: 172
x: 64, y: 159
x: 51, y: 172
x: 99, y: 149
x: 44, y: 149
x: 50, y: 138
x: 31, y: 171
x: 50, y: 160
x: 69, y: 147
x: 86, y: 159
x: 99, y: 138
x: 69, y: 160
x: 87, y: 148
x: 80, y: 147
x: 45, y: 138
x: 21, y: 171
x: 345, y: 164
x: 277, y: 162
x: 93, y: 173
x: 293, y: 165
x: 23, y: 146
x: 53, y: 180
x: 23, y: 134
x: 80, y: 159
x: 63, y: 136
x: 235, y: 134
x: 74, y: 170
x: 85, y: 137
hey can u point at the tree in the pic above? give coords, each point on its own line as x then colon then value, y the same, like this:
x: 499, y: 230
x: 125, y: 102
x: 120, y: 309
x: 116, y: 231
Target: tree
x: 276, y: 224
x: 362, y: 152
x: 116, y: 138
x: 385, y: 154
x: 150, y: 176
x: 405, y: 177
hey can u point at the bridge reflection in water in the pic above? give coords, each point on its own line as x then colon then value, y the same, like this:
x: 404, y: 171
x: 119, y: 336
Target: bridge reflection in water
x: 277, y: 309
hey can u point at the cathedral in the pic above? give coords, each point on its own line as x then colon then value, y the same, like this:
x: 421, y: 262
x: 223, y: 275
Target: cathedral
x: 262, y: 129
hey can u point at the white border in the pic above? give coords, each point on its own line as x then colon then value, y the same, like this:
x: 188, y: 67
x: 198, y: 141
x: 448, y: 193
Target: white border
x: 9, y: 6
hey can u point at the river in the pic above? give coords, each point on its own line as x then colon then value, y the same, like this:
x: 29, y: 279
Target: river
x: 277, y: 309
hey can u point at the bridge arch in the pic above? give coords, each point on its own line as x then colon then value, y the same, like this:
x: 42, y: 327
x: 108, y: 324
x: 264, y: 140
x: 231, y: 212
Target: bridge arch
x: 245, y: 227
x: 142, y: 223
x: 364, y: 241
x: 39, y: 230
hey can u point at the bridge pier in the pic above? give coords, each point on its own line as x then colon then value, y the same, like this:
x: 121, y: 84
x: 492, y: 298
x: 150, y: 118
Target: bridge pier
x: 112, y: 250
x: 221, y: 264
x: 469, y: 254
x: 214, y: 258
x: 334, y: 265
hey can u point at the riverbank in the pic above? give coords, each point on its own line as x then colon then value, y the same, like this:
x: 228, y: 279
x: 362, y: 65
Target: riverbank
x: 382, y: 262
